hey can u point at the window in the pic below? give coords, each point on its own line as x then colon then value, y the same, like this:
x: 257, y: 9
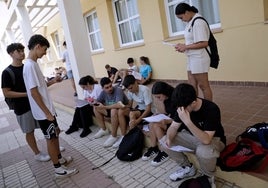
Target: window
x: 94, y: 32
x: 127, y: 22
x: 57, y: 44
x: 209, y: 9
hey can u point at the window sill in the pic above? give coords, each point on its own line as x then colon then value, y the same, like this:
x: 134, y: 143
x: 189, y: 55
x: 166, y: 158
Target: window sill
x: 97, y: 52
x: 129, y: 46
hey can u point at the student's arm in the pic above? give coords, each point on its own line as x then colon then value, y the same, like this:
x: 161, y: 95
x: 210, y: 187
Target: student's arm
x: 38, y: 99
x: 7, y: 92
x: 144, y: 114
x: 171, y: 132
x: 204, y: 136
x: 54, y: 80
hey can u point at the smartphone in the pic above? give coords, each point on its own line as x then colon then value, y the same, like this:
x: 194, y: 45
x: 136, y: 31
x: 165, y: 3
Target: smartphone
x: 96, y: 104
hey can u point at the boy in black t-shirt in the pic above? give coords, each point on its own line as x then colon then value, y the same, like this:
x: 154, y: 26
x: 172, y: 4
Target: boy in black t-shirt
x: 197, y: 126
x: 18, y: 94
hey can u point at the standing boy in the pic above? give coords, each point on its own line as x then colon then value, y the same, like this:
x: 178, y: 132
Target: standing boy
x: 41, y: 103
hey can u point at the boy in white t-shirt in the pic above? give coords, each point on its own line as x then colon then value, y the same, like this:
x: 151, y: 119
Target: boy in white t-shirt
x: 42, y: 105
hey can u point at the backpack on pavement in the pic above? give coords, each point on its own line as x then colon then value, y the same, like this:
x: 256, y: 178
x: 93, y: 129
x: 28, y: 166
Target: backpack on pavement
x: 131, y: 146
x: 244, y: 155
x: 258, y: 133
x: 198, y: 182
x: 212, y: 43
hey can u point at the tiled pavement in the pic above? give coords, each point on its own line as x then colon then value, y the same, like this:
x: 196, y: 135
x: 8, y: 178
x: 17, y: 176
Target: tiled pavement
x: 19, y: 169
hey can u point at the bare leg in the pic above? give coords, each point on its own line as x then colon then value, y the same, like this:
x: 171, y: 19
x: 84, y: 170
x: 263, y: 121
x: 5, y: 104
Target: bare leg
x: 122, y: 120
x: 73, y: 84
x: 100, y: 118
x: 114, y: 122
x: 192, y: 81
x: 203, y: 83
x: 53, y: 149
x: 32, y: 142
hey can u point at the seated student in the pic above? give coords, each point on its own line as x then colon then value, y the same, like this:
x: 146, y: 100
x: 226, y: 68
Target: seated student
x: 130, y: 70
x: 111, y: 71
x: 197, y: 126
x: 142, y: 96
x: 113, y: 103
x: 161, y: 92
x: 84, y: 110
x: 145, y: 71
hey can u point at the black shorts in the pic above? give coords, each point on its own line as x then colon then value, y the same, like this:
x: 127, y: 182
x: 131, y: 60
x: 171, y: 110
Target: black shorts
x: 49, y: 128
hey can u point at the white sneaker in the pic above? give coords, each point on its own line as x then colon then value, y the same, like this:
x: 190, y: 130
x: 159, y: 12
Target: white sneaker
x: 65, y: 160
x: 42, y: 157
x: 63, y: 172
x: 118, y: 142
x: 101, y: 133
x: 110, y: 141
x: 62, y: 148
x: 183, y: 172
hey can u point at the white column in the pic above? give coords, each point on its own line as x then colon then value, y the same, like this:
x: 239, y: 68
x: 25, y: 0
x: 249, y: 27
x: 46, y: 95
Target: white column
x: 76, y: 39
x: 10, y: 36
x: 24, y: 23
x: 4, y: 57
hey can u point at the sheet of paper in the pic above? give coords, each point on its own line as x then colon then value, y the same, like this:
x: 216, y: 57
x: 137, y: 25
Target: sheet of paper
x: 156, y: 118
x: 146, y: 128
x: 177, y: 148
x: 137, y: 75
x: 169, y: 44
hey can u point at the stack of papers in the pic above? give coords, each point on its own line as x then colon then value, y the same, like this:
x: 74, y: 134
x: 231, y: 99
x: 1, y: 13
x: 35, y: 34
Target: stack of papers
x: 156, y: 118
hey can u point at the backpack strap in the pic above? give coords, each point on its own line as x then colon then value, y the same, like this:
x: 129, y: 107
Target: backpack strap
x: 210, y: 33
x: 106, y: 162
x: 12, y: 75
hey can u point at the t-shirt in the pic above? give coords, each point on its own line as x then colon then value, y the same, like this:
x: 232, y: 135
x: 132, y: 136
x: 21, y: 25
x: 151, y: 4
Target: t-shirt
x: 22, y: 104
x: 207, y: 118
x: 113, y: 98
x: 33, y: 77
x: 145, y: 70
x: 89, y: 96
x: 112, y: 72
x: 199, y: 32
x: 142, y: 98
x: 66, y: 58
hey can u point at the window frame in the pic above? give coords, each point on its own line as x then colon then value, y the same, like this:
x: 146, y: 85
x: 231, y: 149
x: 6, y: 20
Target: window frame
x: 127, y: 20
x: 57, y: 44
x: 168, y: 14
x: 95, y: 31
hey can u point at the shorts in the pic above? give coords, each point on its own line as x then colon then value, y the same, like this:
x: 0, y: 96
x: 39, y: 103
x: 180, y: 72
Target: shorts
x: 108, y: 113
x: 27, y: 122
x: 70, y: 74
x: 197, y: 64
x: 49, y: 128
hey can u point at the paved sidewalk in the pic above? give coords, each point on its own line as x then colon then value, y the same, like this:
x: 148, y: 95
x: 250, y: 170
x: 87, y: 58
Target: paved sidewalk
x: 19, y: 169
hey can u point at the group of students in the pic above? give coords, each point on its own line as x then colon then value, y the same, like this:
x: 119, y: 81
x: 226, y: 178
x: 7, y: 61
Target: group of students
x: 194, y: 122
x: 143, y: 73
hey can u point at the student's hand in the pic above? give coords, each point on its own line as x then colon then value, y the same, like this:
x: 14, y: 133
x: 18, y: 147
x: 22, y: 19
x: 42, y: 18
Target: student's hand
x: 50, y: 117
x: 58, y: 78
x: 168, y: 142
x: 184, y: 115
x: 180, y: 47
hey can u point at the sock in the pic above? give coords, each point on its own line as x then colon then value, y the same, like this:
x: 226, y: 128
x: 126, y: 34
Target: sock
x: 58, y: 165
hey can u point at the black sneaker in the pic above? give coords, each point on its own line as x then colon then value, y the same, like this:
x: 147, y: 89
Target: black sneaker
x: 71, y: 130
x: 85, y: 133
x: 160, y: 158
x: 151, y: 152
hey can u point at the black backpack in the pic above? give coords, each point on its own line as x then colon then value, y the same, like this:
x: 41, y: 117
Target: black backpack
x: 10, y: 102
x: 212, y: 43
x: 131, y: 146
x: 199, y: 182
